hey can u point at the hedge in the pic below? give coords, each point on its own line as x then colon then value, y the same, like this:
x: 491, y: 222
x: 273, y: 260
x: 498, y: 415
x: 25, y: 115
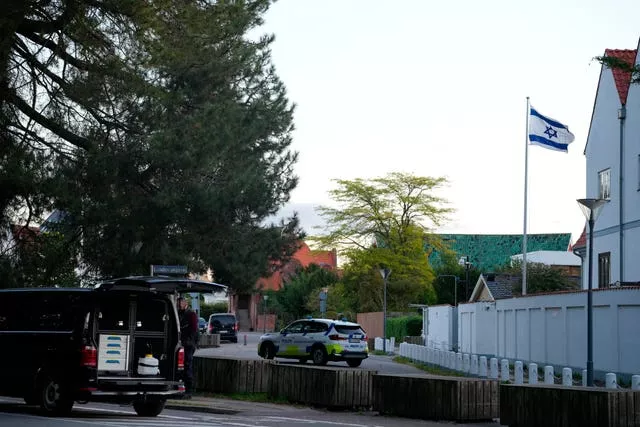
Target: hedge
x: 401, y: 327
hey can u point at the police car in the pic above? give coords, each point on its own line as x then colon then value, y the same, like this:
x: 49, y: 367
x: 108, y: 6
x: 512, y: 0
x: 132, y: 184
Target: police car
x: 319, y: 340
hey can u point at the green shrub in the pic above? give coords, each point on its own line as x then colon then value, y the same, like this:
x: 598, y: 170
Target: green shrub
x: 401, y: 327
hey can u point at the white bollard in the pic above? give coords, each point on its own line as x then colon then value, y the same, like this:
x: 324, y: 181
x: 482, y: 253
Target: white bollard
x: 474, y: 364
x: 493, y: 368
x: 533, y: 373
x: 482, y: 367
x: 635, y: 382
x: 458, y: 361
x: 504, y: 370
x: 548, y: 375
x: 611, y: 381
x: 466, y: 363
x: 452, y: 360
x: 584, y: 378
x: 518, y: 372
x: 567, y: 377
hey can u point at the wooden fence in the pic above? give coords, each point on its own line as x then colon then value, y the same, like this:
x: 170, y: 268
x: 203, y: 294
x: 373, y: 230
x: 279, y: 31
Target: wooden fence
x: 221, y: 375
x: 329, y: 387
x: 436, y: 398
x: 555, y: 406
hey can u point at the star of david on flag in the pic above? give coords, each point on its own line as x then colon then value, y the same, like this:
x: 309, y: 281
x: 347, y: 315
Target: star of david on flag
x: 548, y: 133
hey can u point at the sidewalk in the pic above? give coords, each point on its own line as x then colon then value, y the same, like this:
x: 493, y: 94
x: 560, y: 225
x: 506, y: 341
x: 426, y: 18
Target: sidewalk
x: 214, y: 405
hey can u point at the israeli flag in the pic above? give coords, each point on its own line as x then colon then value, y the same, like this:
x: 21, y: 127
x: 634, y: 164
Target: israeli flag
x: 548, y: 133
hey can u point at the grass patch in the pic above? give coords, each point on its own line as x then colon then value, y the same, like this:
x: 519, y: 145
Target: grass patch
x: 429, y: 369
x: 246, y: 397
x: 379, y: 353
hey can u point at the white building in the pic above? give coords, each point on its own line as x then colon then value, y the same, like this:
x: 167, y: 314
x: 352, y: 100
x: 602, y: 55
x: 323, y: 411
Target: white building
x: 613, y: 172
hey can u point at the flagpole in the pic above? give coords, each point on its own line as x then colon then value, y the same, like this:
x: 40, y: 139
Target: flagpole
x: 524, y: 231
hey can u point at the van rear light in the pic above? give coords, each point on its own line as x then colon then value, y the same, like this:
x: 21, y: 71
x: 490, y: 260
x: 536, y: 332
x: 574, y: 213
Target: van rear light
x: 89, y: 356
x: 336, y: 337
x: 181, y: 358
x: 210, y: 328
x: 235, y: 326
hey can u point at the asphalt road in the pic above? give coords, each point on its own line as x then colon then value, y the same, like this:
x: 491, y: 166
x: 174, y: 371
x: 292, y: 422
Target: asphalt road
x: 382, y: 364
x: 13, y: 413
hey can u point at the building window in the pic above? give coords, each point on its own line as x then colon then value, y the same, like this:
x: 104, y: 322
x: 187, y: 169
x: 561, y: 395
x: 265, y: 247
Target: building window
x: 604, y: 184
x: 604, y: 270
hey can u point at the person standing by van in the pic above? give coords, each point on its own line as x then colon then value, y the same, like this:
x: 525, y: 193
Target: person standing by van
x: 189, y: 338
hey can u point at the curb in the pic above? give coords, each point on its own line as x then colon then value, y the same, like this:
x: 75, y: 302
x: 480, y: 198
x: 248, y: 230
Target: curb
x: 201, y: 409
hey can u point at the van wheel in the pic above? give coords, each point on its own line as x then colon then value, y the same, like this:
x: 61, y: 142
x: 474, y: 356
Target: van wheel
x: 53, y: 398
x: 319, y: 355
x: 268, y: 350
x: 149, y: 408
x: 354, y: 363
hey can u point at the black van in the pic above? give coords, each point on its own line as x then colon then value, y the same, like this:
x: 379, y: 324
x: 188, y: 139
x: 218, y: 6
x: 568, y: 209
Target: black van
x: 224, y: 324
x: 60, y: 346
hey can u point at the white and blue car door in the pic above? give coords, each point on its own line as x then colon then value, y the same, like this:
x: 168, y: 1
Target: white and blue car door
x: 315, y: 332
x: 289, y: 339
x: 308, y: 337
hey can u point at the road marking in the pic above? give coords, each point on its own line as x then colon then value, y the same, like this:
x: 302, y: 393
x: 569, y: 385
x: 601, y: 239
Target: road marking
x: 125, y: 412
x: 335, y: 423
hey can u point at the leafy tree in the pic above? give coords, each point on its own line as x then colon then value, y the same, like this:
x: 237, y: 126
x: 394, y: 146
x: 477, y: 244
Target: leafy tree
x: 540, y: 278
x: 293, y: 300
x: 40, y: 260
x: 207, y: 310
x: 385, y: 222
x: 386, y: 210
x: 159, y: 128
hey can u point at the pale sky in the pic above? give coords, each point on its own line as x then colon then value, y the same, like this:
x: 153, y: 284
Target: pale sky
x: 439, y: 88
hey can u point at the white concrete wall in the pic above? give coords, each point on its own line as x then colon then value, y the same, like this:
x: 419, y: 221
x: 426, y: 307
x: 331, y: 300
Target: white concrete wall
x: 466, y: 327
x: 551, y: 329
x: 440, y: 322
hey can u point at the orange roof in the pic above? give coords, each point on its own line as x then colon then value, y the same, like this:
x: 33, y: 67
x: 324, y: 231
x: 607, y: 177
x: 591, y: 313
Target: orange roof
x: 582, y: 240
x: 303, y: 257
x: 622, y: 77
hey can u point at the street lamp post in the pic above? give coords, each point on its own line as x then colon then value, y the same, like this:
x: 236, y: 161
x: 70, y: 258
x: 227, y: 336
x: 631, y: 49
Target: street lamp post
x: 264, y: 314
x: 591, y: 209
x: 384, y: 272
x: 455, y: 288
x: 465, y: 261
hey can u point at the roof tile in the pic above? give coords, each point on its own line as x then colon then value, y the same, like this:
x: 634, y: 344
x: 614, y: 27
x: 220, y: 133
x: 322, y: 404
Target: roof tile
x: 621, y: 77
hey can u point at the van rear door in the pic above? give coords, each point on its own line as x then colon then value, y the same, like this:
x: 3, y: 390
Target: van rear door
x: 166, y: 285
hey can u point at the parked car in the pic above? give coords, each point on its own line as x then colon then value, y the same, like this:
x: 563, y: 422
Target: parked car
x: 202, y: 325
x: 224, y: 324
x: 319, y: 340
x: 116, y: 343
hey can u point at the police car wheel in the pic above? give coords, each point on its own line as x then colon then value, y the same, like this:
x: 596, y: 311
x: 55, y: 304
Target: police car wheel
x: 319, y: 355
x: 268, y: 350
